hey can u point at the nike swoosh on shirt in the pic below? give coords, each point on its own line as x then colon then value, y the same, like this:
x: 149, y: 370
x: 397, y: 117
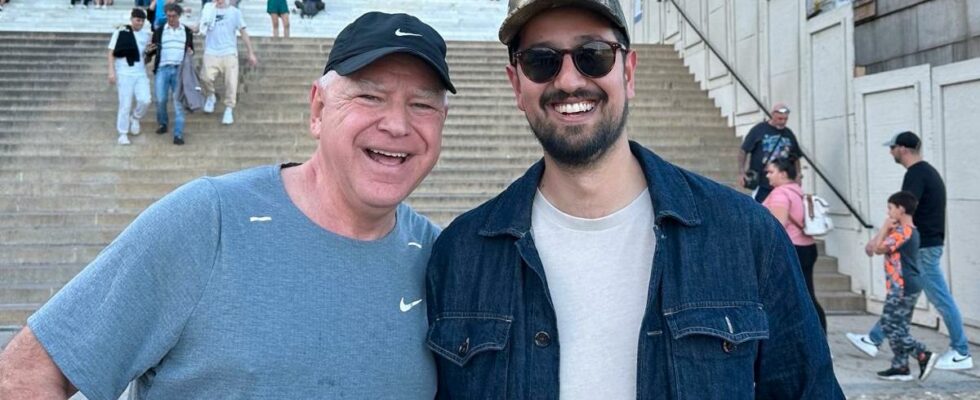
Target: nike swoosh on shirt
x: 415, y: 244
x: 259, y: 219
x: 408, y: 307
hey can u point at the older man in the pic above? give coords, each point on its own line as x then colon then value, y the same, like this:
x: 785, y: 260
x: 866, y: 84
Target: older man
x: 606, y: 272
x: 766, y: 141
x: 169, y: 44
x: 284, y: 281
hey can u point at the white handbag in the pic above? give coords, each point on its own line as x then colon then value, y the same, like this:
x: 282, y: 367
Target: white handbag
x: 816, y: 216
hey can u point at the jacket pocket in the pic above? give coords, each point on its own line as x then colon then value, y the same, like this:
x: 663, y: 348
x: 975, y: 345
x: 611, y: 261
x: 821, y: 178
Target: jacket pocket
x: 717, y: 330
x: 459, y: 337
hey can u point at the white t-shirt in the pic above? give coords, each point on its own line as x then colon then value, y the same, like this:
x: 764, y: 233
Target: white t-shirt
x: 221, y: 26
x: 598, y: 273
x: 138, y: 68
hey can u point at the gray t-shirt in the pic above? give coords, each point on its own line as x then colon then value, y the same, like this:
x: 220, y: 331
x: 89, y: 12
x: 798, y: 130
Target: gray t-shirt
x: 221, y: 25
x: 224, y: 289
x: 598, y: 273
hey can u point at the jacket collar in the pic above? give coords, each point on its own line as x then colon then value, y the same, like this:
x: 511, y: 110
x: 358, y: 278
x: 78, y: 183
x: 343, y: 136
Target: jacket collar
x: 669, y: 190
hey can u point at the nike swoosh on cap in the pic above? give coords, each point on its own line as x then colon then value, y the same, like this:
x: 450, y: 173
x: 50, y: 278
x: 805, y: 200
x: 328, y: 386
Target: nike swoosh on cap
x: 398, y: 32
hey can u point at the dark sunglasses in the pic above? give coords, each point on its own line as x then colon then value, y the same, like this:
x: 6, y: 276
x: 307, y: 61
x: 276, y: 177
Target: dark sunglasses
x: 593, y: 59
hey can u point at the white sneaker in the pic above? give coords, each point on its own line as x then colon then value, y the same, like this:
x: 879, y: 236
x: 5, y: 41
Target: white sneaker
x: 228, y: 118
x: 209, y: 104
x: 123, y: 140
x: 863, y: 343
x: 953, y: 360
x: 134, y: 126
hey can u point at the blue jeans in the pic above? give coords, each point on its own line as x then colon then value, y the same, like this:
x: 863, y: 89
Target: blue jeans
x: 936, y: 290
x: 167, y: 79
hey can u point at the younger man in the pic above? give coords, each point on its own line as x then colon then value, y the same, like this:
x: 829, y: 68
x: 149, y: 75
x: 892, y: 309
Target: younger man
x: 128, y: 73
x: 898, y: 240
x: 220, y: 21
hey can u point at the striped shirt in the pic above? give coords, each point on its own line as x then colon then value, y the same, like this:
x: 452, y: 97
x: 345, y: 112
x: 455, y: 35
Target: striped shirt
x: 172, y: 43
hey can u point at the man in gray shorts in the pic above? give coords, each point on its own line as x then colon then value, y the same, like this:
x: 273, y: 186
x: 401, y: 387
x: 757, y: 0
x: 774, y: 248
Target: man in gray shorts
x: 282, y: 281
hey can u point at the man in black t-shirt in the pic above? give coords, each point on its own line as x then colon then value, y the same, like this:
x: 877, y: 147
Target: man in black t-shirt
x: 925, y: 183
x: 767, y: 141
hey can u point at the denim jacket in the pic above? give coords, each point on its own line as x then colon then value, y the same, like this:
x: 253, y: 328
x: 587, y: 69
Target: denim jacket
x: 727, y: 316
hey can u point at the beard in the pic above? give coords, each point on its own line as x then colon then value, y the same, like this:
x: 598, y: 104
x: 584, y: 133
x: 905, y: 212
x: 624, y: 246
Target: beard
x: 574, y: 147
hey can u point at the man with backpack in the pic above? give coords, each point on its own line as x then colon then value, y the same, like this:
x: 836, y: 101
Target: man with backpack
x: 128, y: 72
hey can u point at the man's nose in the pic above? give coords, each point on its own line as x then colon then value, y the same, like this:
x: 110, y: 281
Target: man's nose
x: 395, y: 121
x: 569, y: 79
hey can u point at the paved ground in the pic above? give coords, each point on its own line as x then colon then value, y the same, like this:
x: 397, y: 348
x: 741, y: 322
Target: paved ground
x: 856, y: 372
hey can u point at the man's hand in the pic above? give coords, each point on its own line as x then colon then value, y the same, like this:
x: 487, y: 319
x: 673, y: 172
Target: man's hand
x: 151, y: 48
x: 252, y: 61
x: 869, y: 249
x: 112, y: 78
x: 889, y: 224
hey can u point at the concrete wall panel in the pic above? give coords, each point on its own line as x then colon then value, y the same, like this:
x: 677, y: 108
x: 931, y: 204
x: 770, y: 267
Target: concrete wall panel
x: 941, y: 22
x: 889, y: 6
x: 827, y: 63
x: 956, y: 91
x: 973, y: 18
x: 717, y: 32
x: 784, y: 37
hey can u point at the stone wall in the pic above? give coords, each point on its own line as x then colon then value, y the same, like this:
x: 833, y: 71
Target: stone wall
x: 895, y: 34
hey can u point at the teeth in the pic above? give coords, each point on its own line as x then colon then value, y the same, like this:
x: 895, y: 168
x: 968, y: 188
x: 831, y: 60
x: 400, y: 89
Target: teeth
x: 582, y: 106
x: 385, y: 153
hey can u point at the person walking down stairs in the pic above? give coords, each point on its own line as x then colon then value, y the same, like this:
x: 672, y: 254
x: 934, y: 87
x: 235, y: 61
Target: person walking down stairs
x: 219, y: 22
x: 128, y: 72
x: 171, y: 43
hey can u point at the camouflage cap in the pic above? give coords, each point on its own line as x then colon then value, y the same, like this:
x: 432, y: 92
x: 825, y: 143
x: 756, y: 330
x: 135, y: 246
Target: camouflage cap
x: 521, y: 11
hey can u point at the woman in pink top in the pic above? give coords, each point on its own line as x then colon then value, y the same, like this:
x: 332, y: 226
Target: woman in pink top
x: 786, y: 204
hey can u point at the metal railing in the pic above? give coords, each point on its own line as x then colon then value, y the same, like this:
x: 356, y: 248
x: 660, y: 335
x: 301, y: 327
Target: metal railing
x: 765, y: 110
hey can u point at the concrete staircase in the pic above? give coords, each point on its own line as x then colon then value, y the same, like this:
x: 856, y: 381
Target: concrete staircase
x: 66, y: 188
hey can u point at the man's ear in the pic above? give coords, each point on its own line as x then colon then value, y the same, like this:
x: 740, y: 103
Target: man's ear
x: 629, y: 67
x: 515, y: 83
x: 316, y: 111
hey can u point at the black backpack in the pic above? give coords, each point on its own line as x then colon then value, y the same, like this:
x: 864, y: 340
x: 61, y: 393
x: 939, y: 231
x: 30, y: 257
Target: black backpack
x: 309, y: 9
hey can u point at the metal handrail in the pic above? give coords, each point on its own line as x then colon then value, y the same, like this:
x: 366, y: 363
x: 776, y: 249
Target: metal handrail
x: 769, y: 115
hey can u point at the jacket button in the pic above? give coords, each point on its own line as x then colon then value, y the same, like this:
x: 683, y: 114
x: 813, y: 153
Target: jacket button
x: 542, y: 339
x: 464, y: 348
x: 727, y: 346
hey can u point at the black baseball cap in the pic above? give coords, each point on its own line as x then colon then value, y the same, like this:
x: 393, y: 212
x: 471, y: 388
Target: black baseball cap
x: 377, y: 34
x: 905, y: 139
